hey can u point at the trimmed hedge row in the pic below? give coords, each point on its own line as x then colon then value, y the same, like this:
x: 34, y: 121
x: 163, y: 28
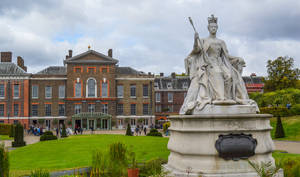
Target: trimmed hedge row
x: 6, y: 129
x: 48, y: 135
x: 281, y: 111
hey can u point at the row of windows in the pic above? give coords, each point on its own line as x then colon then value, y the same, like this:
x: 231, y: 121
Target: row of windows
x: 185, y: 85
x: 16, y: 110
x: 79, y: 69
x: 120, y: 90
x: 158, y: 97
x: 48, y: 110
x: 91, y: 89
x: 120, y: 109
x: 16, y: 90
x: 48, y: 91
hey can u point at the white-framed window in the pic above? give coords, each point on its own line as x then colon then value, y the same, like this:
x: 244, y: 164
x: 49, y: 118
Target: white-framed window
x: 2, y: 91
x: 169, y: 85
x: 34, y: 109
x: 91, y: 88
x: 157, y: 108
x: 61, y: 109
x: 105, y: 108
x: 133, y: 91
x: 77, y: 108
x: 91, y: 107
x: 170, y: 108
x: 104, y: 89
x: 120, y: 110
x: 146, y: 109
x: 120, y: 91
x: 170, y: 97
x: 48, y: 92
x: 35, y: 91
x: 1, y: 109
x: 47, y: 109
x: 16, y: 91
x: 16, y: 110
x: 61, y: 91
x: 157, y: 97
x: 133, y: 109
x: 78, y: 89
x: 145, y: 90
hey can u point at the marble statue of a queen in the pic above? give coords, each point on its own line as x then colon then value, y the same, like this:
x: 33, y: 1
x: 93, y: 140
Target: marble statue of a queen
x: 215, y: 75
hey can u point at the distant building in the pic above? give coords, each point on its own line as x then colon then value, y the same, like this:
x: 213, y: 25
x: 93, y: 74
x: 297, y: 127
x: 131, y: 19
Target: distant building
x: 170, y: 92
x: 90, y: 91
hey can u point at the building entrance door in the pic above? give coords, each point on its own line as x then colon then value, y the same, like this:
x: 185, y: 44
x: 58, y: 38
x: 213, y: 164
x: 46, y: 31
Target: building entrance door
x: 91, y: 124
x: 78, y: 124
x: 105, y: 126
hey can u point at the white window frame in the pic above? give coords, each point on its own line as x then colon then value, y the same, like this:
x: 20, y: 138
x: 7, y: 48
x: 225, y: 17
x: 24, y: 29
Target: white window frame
x: 156, y: 86
x: 169, y: 85
x: 87, y: 88
x: 169, y: 96
x: 146, y: 96
x: 77, y: 108
x: 77, y: 96
x: 105, y: 108
x: 120, y: 91
x: 91, y: 107
x: 2, y: 97
x: 157, y: 97
x: 131, y: 87
x: 102, y: 90
x: 157, y: 108
x: 50, y: 92
x: 18, y: 91
x: 37, y: 91
x: 62, y: 87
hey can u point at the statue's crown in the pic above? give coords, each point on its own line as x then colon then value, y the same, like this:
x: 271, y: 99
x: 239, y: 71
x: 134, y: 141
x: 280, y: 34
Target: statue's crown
x: 212, y: 19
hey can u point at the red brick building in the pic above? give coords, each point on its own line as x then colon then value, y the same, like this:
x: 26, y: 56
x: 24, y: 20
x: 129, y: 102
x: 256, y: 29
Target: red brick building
x: 90, y: 91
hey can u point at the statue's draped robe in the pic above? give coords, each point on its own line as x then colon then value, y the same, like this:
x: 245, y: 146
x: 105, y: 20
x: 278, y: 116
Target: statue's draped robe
x: 201, y: 90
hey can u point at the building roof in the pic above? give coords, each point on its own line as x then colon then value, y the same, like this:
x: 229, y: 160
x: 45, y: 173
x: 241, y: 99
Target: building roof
x: 8, y: 68
x: 128, y: 71
x: 102, y: 59
x: 177, y: 83
x: 54, y: 70
x: 253, y: 79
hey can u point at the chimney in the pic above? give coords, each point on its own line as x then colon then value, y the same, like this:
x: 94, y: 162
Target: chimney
x: 161, y: 74
x: 110, y: 53
x: 70, y: 53
x: 67, y: 56
x: 6, y: 56
x: 173, y: 75
x: 20, y: 62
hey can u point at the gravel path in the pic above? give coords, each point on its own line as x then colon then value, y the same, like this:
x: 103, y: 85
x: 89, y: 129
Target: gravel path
x: 292, y: 147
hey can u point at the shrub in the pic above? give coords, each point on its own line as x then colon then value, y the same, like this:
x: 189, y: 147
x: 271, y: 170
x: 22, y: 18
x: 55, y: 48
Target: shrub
x: 151, y: 167
x: 100, y: 164
x: 64, y: 132
x: 48, y: 135
x: 5, y: 129
x: 154, y: 132
x: 12, y: 131
x: 19, y: 136
x: 279, y: 132
x: 291, y: 167
x: 128, y: 130
x: 40, y: 173
x: 4, y: 162
x: 166, y: 126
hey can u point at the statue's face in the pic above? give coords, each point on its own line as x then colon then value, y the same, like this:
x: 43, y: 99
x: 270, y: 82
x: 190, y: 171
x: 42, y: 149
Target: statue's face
x: 212, y: 28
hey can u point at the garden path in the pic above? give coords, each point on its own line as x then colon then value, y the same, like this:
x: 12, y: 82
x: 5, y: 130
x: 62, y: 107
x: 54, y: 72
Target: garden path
x: 292, y: 147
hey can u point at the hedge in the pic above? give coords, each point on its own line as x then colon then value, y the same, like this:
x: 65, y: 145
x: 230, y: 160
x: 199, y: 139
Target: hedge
x: 154, y: 132
x: 5, y: 129
x: 48, y: 135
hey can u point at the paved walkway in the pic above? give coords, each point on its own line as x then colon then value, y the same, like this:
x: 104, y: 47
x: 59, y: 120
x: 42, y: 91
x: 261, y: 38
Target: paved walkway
x: 292, y: 147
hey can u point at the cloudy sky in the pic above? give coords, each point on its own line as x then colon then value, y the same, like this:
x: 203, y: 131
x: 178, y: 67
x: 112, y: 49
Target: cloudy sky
x: 152, y: 36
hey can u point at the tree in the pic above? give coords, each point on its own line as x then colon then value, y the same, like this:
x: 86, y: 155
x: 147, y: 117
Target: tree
x: 19, y: 136
x: 281, y: 74
x: 128, y: 130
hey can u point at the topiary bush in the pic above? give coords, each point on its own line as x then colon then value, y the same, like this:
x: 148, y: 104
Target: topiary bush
x: 4, y: 162
x: 12, y: 131
x: 19, y: 136
x: 48, y: 135
x: 128, y: 130
x: 154, y: 132
x: 279, y: 132
x: 64, y: 132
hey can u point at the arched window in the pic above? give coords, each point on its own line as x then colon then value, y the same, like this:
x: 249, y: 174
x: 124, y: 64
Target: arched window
x: 91, y: 88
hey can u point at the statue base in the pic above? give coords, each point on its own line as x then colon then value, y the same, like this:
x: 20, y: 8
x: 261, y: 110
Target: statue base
x: 192, y: 143
x: 212, y: 109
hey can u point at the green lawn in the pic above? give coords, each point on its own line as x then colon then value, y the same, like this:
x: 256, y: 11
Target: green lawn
x: 76, y: 151
x: 291, y: 127
x: 5, y: 137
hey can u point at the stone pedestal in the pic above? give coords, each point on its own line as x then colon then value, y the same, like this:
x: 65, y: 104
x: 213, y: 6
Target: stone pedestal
x: 193, y: 138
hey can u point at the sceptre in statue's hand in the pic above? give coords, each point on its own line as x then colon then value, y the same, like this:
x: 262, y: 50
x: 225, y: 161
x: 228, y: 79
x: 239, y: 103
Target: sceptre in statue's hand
x: 198, y: 46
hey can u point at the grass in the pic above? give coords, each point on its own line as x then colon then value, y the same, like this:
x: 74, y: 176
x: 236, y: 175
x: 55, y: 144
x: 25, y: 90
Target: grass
x: 291, y: 127
x: 5, y: 137
x: 76, y: 152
